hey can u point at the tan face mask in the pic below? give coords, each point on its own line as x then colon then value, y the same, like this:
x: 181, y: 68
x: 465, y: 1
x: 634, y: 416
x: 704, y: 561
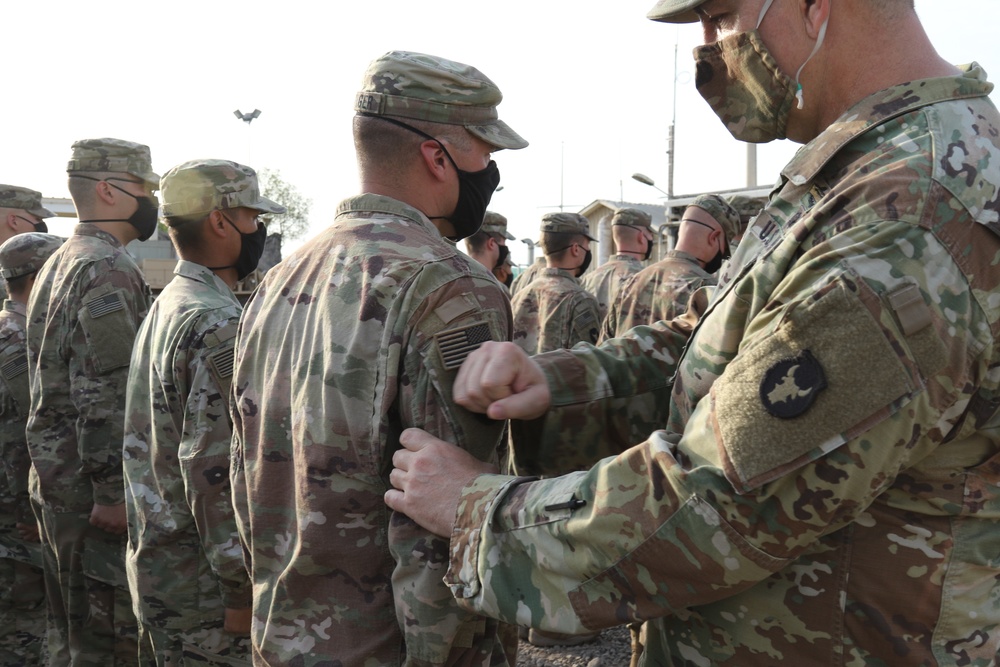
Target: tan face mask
x: 746, y: 89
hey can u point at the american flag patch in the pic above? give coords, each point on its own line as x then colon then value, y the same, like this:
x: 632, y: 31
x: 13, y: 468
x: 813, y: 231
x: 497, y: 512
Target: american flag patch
x: 223, y: 363
x: 455, y: 345
x: 103, y: 305
x: 14, y: 367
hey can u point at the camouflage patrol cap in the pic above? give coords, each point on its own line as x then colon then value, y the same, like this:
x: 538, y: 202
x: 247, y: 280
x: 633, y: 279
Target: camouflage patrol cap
x: 25, y: 253
x: 494, y: 223
x: 717, y: 207
x: 632, y: 217
x: 13, y: 196
x: 566, y: 222
x: 114, y: 155
x: 674, y: 11
x: 404, y: 84
x: 201, y: 186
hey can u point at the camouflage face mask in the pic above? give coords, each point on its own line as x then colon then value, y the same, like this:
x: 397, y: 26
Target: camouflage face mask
x: 746, y: 89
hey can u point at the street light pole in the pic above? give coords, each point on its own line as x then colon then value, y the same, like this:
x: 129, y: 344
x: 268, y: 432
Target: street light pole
x: 646, y: 180
x: 248, y: 118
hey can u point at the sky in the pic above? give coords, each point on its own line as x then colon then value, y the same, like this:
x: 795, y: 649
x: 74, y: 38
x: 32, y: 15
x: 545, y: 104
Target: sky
x: 589, y: 84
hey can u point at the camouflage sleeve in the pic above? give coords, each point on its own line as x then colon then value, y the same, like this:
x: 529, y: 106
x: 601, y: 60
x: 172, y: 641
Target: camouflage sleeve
x: 204, y: 453
x: 14, y: 403
x: 763, y: 469
x: 111, y: 308
x: 443, y: 329
x: 585, y: 320
x: 605, y: 398
x: 615, y: 309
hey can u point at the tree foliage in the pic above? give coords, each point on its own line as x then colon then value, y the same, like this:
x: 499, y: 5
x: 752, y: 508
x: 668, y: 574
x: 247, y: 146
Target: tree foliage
x: 293, y: 224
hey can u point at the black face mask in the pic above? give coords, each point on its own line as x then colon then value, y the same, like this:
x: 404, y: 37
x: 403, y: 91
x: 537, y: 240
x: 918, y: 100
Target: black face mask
x: 251, y: 249
x: 715, y: 263
x: 146, y: 213
x: 475, y: 189
x: 586, y: 263
x: 510, y: 280
x: 649, y: 249
x: 40, y: 227
x: 504, y: 254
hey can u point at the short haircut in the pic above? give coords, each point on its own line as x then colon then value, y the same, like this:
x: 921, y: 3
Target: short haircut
x: 382, y: 147
x: 82, y: 188
x: 477, y: 242
x: 621, y: 232
x: 186, y: 232
x: 892, y: 8
x: 19, y: 284
x: 555, y: 244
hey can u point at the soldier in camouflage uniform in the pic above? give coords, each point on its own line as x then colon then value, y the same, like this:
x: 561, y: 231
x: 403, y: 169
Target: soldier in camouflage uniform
x: 85, y: 308
x: 632, y: 232
x: 524, y: 278
x: 350, y: 340
x: 22, y: 588
x: 663, y: 290
x: 21, y: 211
x: 554, y: 311
x: 190, y: 587
x: 488, y: 246
x: 824, y: 489
x: 504, y: 273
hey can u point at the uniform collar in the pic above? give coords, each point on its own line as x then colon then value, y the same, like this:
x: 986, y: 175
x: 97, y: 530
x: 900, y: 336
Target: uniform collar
x: 560, y: 273
x: 12, y: 306
x: 879, y: 108
x: 87, y: 229
x: 202, y: 274
x: 372, y: 203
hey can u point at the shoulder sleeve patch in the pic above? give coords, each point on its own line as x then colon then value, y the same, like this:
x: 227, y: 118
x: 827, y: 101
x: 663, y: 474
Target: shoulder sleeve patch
x: 222, y: 362
x: 456, y: 307
x: 455, y: 345
x: 105, y: 304
x: 15, y: 367
x: 585, y: 322
x: 807, y: 388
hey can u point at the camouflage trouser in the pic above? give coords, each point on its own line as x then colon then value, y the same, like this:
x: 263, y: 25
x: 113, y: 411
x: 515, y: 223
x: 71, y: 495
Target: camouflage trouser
x: 209, y: 646
x: 22, y: 614
x: 92, y: 623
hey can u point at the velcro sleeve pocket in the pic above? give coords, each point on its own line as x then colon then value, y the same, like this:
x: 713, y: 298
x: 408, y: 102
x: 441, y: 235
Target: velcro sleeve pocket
x: 831, y: 371
x: 108, y: 326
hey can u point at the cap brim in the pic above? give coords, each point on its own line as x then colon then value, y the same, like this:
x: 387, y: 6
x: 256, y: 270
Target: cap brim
x: 267, y: 206
x: 499, y: 134
x: 509, y: 236
x: 41, y: 212
x: 151, y: 179
x: 674, y: 11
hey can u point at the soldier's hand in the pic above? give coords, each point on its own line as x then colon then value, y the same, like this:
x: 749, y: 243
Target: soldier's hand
x: 237, y: 621
x: 111, y: 518
x: 28, y: 531
x: 428, y: 477
x: 501, y: 380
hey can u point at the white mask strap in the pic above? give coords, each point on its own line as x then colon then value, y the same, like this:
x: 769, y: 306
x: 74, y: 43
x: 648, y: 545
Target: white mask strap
x: 763, y: 10
x: 819, y: 43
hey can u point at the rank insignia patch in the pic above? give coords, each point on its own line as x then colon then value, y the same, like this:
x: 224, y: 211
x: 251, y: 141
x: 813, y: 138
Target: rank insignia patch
x: 790, y: 386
